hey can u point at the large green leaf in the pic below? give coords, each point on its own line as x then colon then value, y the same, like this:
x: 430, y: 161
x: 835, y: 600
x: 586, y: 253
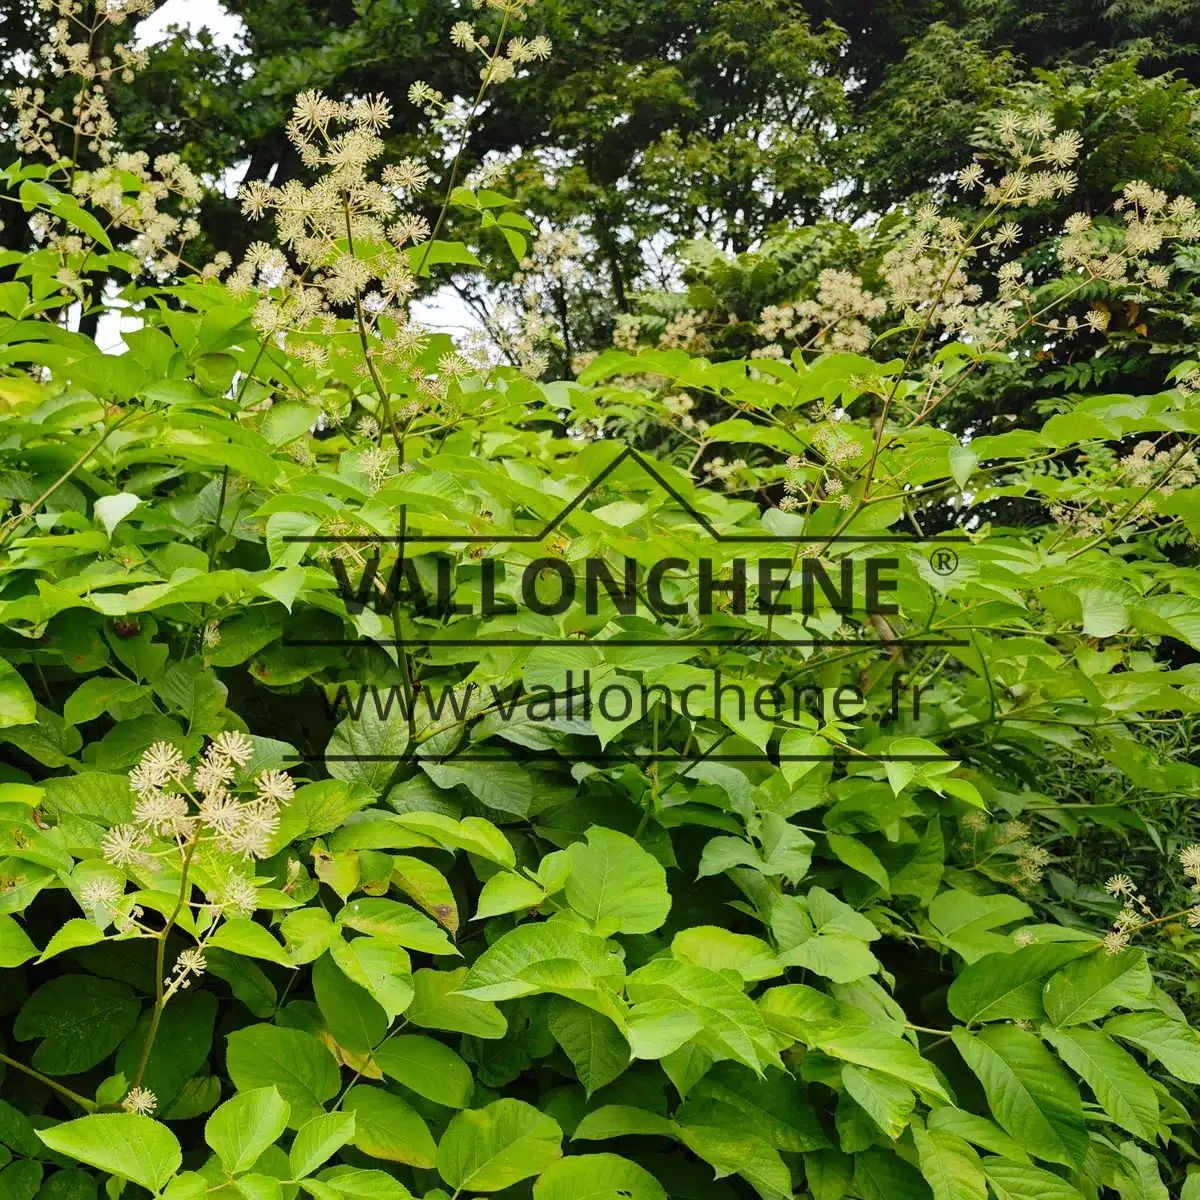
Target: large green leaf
x: 17, y: 705
x: 596, y: 1047
x: 1171, y: 1043
x: 730, y: 1019
x: 122, y: 1144
x: 1030, y: 1094
x: 488, y: 1149
x: 596, y: 1177
x: 883, y: 1052
x: 1092, y: 988
x: 512, y: 967
x: 15, y: 946
x: 438, y: 1004
x: 244, y: 1126
x: 318, y: 1140
x: 777, y: 1105
x: 398, y: 923
x: 352, y: 1016
x: 296, y: 1063
x: 385, y: 1126
x: 245, y: 937
x: 1006, y: 986
x: 949, y: 1165
x: 1123, y: 1089
x: 428, y: 1067
x: 81, y: 1018
x: 615, y: 885
x: 1021, y: 1181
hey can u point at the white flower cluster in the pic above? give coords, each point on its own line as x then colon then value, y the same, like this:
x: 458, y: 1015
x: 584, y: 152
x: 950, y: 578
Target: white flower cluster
x: 180, y: 805
x: 837, y: 319
x: 123, y: 188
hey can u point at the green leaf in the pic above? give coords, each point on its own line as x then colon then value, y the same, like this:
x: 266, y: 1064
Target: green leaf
x: 977, y: 1130
x: 715, y: 1133
x: 1123, y: 1089
x: 833, y: 956
x: 473, y: 834
x: 720, y: 950
x: 888, y: 1103
x: 1020, y: 1181
x: 858, y: 857
x: 1008, y: 986
x: 949, y: 1165
x: 181, y: 1046
x: 300, y: 1066
x: 389, y: 1128
x: 244, y: 1126
x: 1092, y: 988
x: 428, y: 1067
x: 245, y: 937
x: 123, y: 1144
x: 1139, y: 1178
x: 82, y: 1019
x: 732, y: 1022
x: 776, y: 1105
x: 246, y: 980
x: 307, y: 933
x: 398, y: 923
x: 507, y: 892
x: 437, y: 1004
x: 623, y: 1120
x: 828, y: 1174
x: 615, y: 885
x: 505, y: 786
x: 967, y: 922
x: 17, y: 705
x: 352, y: 1015
x: 365, y: 749
x: 659, y: 1028
x: 883, y: 1052
x: 15, y: 946
x: 319, y: 1140
x: 1031, y: 1096
x: 1171, y: 1043
x: 882, y: 1175
x: 437, y: 253
x: 75, y: 933
x: 1105, y: 607
x: 487, y: 1149
x: 362, y: 1184
x: 20, y: 1180
x: 259, y: 1187
x: 595, y: 1046
x: 512, y: 966
x: 380, y: 967
x: 597, y: 1177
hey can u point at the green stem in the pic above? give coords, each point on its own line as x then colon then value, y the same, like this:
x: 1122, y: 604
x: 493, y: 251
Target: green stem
x: 462, y: 145
x: 160, y: 1000
x: 14, y: 523
x: 365, y: 343
x: 85, y: 1104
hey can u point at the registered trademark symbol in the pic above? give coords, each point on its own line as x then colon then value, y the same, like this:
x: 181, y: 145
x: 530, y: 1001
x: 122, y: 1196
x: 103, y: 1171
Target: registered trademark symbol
x: 943, y: 560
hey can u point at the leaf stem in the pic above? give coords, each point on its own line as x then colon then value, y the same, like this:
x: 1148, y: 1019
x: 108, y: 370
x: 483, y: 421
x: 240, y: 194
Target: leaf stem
x: 85, y: 1104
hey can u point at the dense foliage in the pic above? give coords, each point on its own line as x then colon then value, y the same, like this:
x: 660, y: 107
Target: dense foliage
x: 408, y: 788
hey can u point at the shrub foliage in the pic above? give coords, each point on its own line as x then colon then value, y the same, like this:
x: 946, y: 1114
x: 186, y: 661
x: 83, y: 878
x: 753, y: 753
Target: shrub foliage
x: 334, y: 859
